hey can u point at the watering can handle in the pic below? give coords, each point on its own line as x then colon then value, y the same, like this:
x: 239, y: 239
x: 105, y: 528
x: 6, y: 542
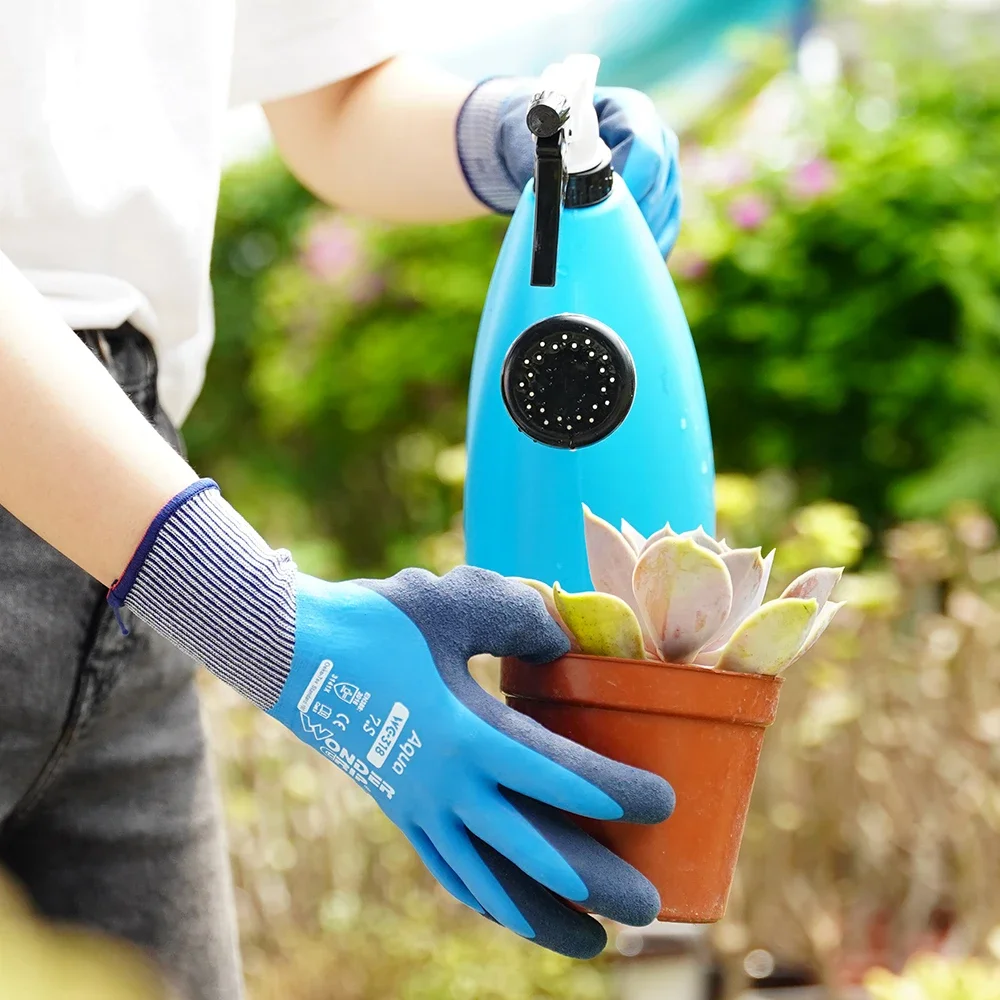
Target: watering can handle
x: 567, y: 142
x: 550, y: 181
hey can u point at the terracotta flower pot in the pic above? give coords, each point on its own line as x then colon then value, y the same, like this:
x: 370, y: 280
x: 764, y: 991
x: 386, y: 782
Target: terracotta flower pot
x: 700, y: 729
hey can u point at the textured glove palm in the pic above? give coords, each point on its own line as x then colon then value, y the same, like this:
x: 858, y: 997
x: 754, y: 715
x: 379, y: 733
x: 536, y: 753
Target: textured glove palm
x: 380, y: 685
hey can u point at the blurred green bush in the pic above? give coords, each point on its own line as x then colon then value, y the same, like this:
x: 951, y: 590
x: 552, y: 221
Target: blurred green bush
x: 934, y: 978
x: 841, y: 272
x: 336, y: 393
x: 839, y: 265
x: 875, y: 817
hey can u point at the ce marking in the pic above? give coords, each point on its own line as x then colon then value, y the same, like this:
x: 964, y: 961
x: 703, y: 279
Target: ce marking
x: 341, y: 721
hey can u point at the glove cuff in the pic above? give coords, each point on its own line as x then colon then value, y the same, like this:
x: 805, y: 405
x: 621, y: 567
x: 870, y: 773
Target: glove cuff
x: 477, y: 134
x: 205, y: 579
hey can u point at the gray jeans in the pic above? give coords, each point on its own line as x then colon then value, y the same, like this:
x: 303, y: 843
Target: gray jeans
x: 109, y: 814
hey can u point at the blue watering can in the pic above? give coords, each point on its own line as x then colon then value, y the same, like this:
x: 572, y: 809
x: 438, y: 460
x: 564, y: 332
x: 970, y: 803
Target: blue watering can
x: 585, y: 382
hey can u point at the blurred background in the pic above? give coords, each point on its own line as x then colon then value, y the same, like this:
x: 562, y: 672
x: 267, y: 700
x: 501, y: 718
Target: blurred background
x: 840, y: 266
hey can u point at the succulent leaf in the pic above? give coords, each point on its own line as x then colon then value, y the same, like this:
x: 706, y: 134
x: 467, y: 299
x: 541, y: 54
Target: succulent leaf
x: 550, y: 605
x: 815, y: 583
x: 610, y: 557
x: 635, y: 538
x: 612, y: 560
x: 665, y: 532
x: 747, y: 573
x: 707, y: 658
x: 819, y: 626
x: 684, y: 595
x: 770, y: 638
x: 604, y: 625
x: 703, y: 538
x: 768, y: 563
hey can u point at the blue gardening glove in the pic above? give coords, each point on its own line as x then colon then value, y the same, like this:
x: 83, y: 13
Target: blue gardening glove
x: 374, y: 675
x: 497, y: 151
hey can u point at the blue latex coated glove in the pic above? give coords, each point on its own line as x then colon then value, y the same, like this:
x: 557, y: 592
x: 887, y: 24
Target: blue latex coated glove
x: 374, y: 675
x: 497, y: 151
x: 474, y: 785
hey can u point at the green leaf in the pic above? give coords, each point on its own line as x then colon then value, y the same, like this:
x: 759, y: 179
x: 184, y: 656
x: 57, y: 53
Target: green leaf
x: 550, y: 605
x: 770, y: 638
x: 604, y: 625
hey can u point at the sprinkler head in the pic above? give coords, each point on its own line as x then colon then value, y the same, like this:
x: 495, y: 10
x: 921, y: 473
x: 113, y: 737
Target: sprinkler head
x: 568, y: 381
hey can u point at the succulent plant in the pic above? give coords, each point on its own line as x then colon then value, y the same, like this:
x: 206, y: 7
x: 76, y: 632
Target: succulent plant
x: 689, y: 598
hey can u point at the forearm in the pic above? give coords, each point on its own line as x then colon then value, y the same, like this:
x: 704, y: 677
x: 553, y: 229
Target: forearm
x: 79, y: 464
x: 381, y: 145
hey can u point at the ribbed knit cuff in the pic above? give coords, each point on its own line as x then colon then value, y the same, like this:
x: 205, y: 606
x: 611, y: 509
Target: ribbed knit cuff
x: 478, y: 139
x: 207, y: 581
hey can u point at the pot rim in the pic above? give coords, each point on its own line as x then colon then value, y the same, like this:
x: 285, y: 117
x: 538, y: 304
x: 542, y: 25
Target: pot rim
x: 703, y: 693
x: 658, y: 664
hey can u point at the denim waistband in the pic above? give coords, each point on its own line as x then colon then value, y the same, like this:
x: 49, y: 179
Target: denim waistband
x: 128, y: 355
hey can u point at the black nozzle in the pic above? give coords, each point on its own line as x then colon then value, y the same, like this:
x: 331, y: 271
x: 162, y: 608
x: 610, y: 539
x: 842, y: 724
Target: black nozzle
x: 547, y: 117
x: 550, y: 180
x: 548, y: 113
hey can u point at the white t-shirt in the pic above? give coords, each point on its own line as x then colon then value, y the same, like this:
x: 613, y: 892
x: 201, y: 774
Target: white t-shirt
x: 112, y: 115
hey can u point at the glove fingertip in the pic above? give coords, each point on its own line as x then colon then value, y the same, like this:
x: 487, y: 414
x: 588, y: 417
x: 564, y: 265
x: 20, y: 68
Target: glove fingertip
x: 546, y: 640
x: 591, y: 944
x: 556, y: 927
x: 615, y: 888
x: 668, y: 239
x: 643, y: 903
x: 550, y: 646
x: 646, y: 798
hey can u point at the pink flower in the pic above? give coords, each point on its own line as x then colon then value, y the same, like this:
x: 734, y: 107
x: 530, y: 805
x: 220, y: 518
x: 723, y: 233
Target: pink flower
x: 366, y: 289
x: 813, y: 178
x: 718, y: 169
x: 333, y: 249
x: 689, y: 265
x: 749, y: 211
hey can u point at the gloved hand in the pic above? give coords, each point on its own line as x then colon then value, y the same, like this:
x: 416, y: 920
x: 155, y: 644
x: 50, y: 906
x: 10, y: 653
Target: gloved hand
x: 496, y: 149
x: 374, y: 675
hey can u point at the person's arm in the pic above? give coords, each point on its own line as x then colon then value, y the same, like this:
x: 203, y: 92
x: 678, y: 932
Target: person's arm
x: 358, y: 670
x: 407, y: 142
x: 381, y: 144
x: 79, y: 464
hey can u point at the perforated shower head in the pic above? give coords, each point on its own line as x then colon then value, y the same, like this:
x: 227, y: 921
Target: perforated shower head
x: 568, y: 381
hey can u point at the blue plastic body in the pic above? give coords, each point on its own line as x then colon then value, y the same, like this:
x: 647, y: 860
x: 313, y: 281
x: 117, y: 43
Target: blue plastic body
x: 523, y: 500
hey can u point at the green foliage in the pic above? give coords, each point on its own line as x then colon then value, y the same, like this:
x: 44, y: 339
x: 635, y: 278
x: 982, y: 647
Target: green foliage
x: 934, y: 978
x: 847, y: 317
x: 338, y: 382
x: 333, y: 900
x: 847, y: 310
